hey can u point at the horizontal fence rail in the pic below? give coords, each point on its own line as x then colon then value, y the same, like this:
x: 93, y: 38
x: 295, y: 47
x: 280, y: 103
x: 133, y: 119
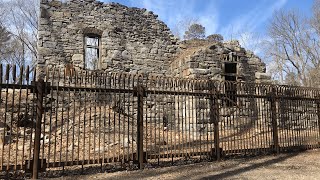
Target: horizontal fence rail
x: 77, y: 118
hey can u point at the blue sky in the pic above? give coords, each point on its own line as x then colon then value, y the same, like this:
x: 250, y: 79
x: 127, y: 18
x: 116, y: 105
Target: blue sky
x: 231, y: 18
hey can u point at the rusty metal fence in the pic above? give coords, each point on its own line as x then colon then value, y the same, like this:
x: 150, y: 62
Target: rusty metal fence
x: 73, y: 118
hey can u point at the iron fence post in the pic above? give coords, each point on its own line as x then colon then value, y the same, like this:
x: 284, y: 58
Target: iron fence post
x: 140, y: 93
x: 214, y: 118
x: 274, y: 122
x: 40, y: 94
x: 318, y: 113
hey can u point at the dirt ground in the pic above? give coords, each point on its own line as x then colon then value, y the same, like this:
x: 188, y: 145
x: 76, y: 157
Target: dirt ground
x: 302, y: 165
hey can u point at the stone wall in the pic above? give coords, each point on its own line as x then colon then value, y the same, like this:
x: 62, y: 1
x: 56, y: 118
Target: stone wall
x: 132, y: 39
x: 207, y: 60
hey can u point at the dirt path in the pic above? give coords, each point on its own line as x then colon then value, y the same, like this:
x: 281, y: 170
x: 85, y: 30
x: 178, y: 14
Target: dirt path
x: 304, y: 165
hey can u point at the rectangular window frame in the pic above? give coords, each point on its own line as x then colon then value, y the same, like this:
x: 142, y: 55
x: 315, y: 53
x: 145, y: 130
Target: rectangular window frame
x: 97, y: 48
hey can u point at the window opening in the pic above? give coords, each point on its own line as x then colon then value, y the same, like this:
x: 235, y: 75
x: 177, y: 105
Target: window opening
x: 230, y: 70
x: 92, y: 43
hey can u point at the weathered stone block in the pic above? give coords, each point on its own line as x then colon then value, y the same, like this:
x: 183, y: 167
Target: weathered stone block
x: 260, y: 75
x: 77, y: 58
x: 193, y: 64
x: 49, y: 44
x: 57, y: 14
x: 126, y: 55
x: 199, y: 71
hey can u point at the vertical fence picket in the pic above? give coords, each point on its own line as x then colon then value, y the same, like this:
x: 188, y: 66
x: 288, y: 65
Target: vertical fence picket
x: 18, y: 112
x: 140, y: 93
x: 36, y: 152
x: 7, y: 81
x: 214, y: 118
x: 318, y: 115
x: 2, y: 137
x: 274, y: 121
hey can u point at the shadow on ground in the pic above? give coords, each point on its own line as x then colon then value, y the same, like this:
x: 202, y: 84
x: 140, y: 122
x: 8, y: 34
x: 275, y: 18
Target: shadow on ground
x: 231, y: 173
x: 182, y: 169
x: 210, y: 170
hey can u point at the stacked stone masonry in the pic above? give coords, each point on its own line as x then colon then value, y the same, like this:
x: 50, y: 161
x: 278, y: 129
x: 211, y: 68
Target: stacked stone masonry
x: 133, y: 40
x: 208, y: 60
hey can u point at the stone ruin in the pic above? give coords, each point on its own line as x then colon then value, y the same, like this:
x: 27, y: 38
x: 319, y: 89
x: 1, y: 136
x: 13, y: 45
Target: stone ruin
x: 95, y: 36
x: 112, y: 37
x: 91, y: 35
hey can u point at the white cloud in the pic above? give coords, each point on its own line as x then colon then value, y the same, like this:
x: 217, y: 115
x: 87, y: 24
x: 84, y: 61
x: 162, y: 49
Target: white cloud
x: 253, y: 19
x: 174, y: 11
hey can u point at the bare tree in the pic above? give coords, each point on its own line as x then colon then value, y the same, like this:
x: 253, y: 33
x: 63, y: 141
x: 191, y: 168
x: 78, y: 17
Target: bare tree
x: 21, y: 20
x: 250, y: 40
x: 4, y: 37
x: 181, y: 26
x: 315, y: 20
x: 294, y: 48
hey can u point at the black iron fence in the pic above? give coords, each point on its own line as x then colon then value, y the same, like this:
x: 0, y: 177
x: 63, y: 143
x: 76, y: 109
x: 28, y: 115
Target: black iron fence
x: 73, y: 118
